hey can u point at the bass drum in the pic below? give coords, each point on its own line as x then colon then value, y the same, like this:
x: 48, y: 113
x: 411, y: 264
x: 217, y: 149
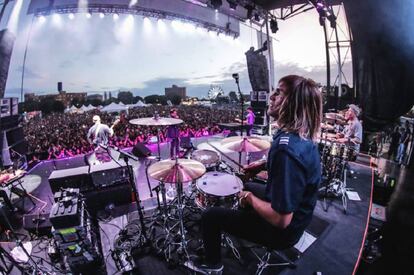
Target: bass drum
x: 218, y: 189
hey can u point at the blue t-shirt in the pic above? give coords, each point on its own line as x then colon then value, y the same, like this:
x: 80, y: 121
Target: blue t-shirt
x: 294, y: 175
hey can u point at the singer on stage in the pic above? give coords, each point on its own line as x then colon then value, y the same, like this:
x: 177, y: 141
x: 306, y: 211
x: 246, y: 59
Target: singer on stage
x: 173, y: 133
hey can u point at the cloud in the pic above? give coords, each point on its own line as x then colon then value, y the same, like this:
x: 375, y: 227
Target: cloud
x: 28, y: 73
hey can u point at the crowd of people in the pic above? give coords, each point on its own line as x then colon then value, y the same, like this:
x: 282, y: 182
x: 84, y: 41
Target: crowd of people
x: 60, y: 135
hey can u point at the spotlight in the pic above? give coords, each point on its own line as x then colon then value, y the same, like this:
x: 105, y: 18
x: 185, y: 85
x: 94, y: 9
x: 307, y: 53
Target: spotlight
x: 88, y: 15
x: 115, y: 16
x: 232, y: 4
x: 102, y: 15
x: 273, y: 25
x: 332, y: 20
x: 42, y: 19
x: 71, y: 16
x: 216, y: 4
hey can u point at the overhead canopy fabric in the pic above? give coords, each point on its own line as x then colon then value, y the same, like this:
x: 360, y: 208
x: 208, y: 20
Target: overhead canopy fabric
x: 383, y: 57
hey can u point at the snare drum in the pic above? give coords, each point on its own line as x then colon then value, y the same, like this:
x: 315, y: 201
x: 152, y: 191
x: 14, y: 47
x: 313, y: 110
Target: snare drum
x: 337, y: 150
x: 210, y: 159
x: 218, y: 189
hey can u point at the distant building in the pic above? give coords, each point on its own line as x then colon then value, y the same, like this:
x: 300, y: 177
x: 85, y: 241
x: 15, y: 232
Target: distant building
x: 175, y: 90
x: 95, y: 97
x: 64, y: 97
x: 30, y: 97
x: 67, y: 98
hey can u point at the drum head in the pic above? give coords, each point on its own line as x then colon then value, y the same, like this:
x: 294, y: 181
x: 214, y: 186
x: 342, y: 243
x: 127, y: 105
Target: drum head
x: 219, y: 184
x: 206, y: 157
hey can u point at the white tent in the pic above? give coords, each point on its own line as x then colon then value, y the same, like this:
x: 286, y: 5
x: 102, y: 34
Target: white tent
x: 138, y: 104
x: 114, y: 108
x: 73, y: 110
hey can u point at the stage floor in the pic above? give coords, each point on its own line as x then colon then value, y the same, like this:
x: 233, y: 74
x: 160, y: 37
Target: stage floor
x: 335, y: 238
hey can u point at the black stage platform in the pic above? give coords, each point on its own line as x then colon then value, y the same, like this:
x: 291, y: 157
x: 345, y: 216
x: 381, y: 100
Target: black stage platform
x: 332, y: 243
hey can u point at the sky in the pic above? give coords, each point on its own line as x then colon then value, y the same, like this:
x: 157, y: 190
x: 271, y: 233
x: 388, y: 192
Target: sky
x: 144, y: 55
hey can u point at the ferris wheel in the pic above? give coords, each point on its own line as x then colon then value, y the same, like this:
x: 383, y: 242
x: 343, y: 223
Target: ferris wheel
x: 215, y: 91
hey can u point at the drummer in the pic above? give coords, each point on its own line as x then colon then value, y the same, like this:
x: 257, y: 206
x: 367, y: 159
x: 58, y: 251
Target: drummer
x: 352, y: 134
x: 275, y: 214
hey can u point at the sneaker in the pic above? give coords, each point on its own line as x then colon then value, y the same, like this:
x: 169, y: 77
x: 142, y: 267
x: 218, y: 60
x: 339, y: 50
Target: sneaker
x: 198, y: 266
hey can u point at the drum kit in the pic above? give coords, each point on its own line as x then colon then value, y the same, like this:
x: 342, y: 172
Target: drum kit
x: 208, y: 185
x: 334, y: 158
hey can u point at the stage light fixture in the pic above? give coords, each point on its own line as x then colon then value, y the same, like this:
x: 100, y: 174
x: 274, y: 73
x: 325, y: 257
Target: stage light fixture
x: 71, y: 16
x: 273, y: 25
x: 115, y: 16
x: 88, y: 15
x: 232, y: 4
x: 101, y: 15
x: 42, y: 19
x: 216, y: 4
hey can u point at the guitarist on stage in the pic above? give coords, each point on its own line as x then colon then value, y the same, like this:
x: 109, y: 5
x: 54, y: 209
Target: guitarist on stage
x: 99, y: 134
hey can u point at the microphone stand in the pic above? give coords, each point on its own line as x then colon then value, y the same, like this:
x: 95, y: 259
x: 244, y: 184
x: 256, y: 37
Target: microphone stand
x: 242, y: 113
x: 126, y: 156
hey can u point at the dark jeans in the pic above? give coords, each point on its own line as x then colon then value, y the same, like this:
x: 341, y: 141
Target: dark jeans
x: 175, y: 146
x: 245, y: 224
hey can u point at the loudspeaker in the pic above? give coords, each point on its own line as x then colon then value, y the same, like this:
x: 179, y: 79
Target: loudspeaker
x: 119, y: 194
x: 37, y: 224
x: 71, y: 178
x: 6, y: 48
x: 140, y: 150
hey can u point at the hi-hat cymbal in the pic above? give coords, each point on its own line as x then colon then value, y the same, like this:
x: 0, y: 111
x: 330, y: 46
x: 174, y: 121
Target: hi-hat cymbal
x: 173, y: 171
x: 152, y: 121
x: 245, y: 144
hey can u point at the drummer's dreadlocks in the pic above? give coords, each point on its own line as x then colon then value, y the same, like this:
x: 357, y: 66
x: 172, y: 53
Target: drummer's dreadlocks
x: 300, y: 110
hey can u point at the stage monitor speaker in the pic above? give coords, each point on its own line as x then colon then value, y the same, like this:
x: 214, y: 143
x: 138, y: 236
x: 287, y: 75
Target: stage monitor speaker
x: 141, y: 151
x: 71, y: 178
x: 119, y: 194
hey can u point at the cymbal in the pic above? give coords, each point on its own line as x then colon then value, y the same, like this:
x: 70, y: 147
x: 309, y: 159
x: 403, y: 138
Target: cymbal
x: 245, y: 144
x: 152, y: 121
x: 174, y: 171
x: 327, y: 126
x: 334, y: 116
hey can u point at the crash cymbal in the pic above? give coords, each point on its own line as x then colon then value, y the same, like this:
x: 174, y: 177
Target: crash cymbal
x: 245, y: 144
x: 153, y: 121
x: 327, y: 127
x: 174, y: 171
